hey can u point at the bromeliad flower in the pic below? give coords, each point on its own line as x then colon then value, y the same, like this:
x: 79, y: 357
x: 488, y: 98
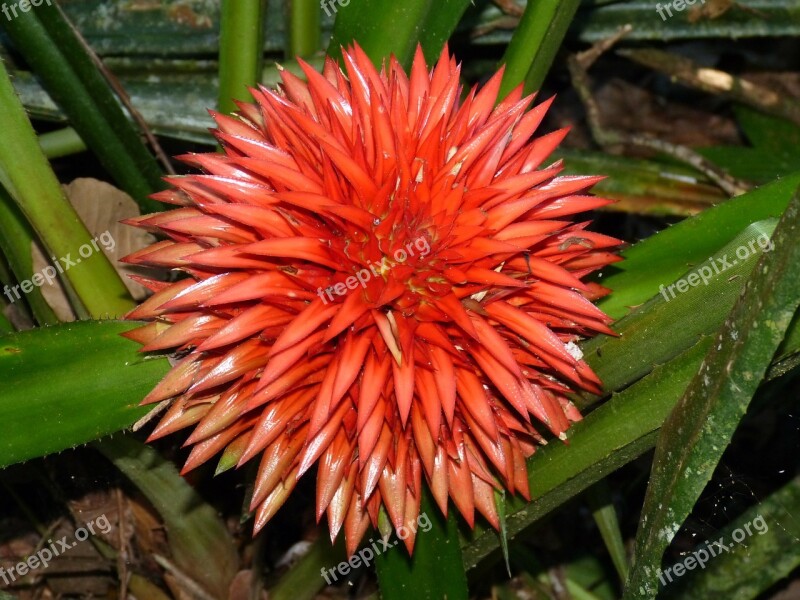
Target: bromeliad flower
x: 377, y: 281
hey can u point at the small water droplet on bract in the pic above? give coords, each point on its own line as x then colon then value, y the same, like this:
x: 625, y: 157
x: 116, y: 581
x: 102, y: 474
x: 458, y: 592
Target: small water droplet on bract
x: 377, y: 221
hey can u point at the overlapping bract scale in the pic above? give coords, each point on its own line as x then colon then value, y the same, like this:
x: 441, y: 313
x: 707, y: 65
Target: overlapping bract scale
x: 376, y: 278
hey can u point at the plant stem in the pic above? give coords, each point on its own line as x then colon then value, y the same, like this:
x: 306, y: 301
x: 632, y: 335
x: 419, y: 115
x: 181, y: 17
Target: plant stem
x: 62, y: 142
x: 535, y: 42
x: 16, y: 242
x: 26, y: 174
x: 304, y: 28
x: 240, y: 50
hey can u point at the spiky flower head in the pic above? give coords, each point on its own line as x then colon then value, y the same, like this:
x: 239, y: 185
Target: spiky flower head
x: 376, y: 279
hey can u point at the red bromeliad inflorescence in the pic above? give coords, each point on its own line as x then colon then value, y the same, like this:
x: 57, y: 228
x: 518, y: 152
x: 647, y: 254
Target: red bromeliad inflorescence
x: 379, y: 281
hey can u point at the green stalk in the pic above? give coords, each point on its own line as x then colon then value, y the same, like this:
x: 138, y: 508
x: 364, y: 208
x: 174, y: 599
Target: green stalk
x: 61, y: 142
x: 240, y: 50
x: 533, y: 46
x: 304, y: 28
x: 16, y: 240
x: 26, y: 174
x: 70, y: 76
x: 435, y: 570
x: 382, y: 28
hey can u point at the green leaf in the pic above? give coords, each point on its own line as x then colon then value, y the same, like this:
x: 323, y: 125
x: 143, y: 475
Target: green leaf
x: 666, y: 256
x: 382, y: 28
x: 535, y: 42
x: 200, y: 543
x: 674, y: 320
x: 768, y: 554
x: 698, y: 430
x: 27, y: 176
x: 70, y: 384
x: 614, y: 434
x: 435, y: 571
x: 16, y: 238
x: 605, y: 517
x: 68, y: 73
x: 775, y: 151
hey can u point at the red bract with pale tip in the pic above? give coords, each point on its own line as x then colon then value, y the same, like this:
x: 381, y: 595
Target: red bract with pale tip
x: 377, y: 280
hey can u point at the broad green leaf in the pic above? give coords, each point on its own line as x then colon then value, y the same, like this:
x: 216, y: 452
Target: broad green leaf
x: 435, y: 570
x: 382, y: 28
x: 767, y: 554
x: 699, y: 429
x: 69, y: 384
x: 50, y: 46
x: 666, y: 256
x: 200, y: 543
x: 674, y: 319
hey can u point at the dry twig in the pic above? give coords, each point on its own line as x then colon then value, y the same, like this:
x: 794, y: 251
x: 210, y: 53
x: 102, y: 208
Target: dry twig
x: 578, y: 65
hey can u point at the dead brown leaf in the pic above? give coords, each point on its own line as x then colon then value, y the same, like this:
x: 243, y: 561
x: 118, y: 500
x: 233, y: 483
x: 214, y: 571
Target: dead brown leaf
x: 101, y: 207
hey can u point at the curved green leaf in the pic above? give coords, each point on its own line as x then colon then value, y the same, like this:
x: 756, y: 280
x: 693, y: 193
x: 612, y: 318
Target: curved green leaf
x: 28, y: 178
x: 535, y: 42
x: 700, y: 427
x: 666, y: 256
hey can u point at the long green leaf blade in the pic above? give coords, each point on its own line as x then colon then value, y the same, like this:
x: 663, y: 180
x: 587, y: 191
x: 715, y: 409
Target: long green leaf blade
x: 535, y: 42
x: 698, y: 430
x: 666, y: 256
x: 768, y: 554
x: 69, y: 384
x: 27, y: 176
